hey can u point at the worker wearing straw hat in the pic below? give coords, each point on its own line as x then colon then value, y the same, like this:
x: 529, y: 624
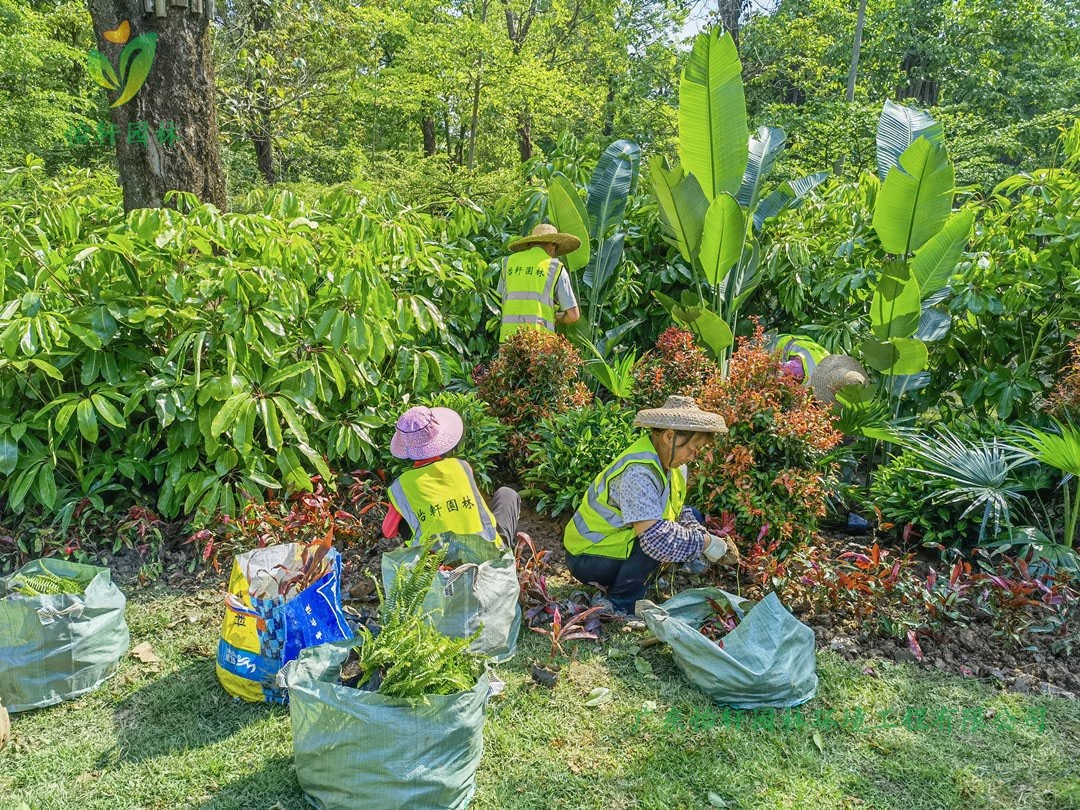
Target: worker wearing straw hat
x: 811, y: 364
x: 439, y: 494
x: 534, y: 286
x: 632, y: 518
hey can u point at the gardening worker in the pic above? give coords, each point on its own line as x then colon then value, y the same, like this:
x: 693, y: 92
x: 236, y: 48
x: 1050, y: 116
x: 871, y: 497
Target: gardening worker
x: 534, y: 286
x: 439, y: 494
x: 632, y: 517
x: 811, y: 364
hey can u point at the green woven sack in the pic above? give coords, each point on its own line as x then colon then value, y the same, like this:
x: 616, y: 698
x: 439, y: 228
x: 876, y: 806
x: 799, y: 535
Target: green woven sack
x: 59, y: 646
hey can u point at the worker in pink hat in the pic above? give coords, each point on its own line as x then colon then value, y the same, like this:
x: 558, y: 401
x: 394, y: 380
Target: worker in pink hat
x: 439, y: 493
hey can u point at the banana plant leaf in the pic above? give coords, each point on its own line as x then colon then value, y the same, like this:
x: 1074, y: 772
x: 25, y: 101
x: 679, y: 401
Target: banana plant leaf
x: 610, y: 186
x: 568, y: 214
x: 743, y: 278
x: 935, y: 261
x: 933, y: 324
x: 606, y: 262
x: 898, y: 128
x: 788, y: 195
x: 915, y: 199
x: 612, y: 336
x: 713, y: 136
x: 703, y: 322
x: 721, y: 237
x: 895, y: 310
x: 682, y: 203
x: 895, y: 356
x: 900, y: 384
x: 762, y: 150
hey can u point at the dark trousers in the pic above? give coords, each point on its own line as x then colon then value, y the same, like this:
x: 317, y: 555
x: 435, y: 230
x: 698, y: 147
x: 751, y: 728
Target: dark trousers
x: 626, y: 580
x: 505, y: 505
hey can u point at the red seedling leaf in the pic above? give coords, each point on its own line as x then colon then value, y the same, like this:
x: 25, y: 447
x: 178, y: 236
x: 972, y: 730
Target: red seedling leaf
x: 913, y: 645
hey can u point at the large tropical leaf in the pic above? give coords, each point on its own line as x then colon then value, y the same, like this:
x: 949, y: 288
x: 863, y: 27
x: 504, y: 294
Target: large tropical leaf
x: 568, y: 214
x: 933, y: 324
x: 895, y: 356
x: 703, y: 322
x: 898, y: 128
x: 712, y: 115
x: 612, y: 336
x: 763, y: 148
x: 721, y: 237
x: 915, y: 199
x: 934, y: 262
x: 682, y: 205
x: 895, y: 310
x: 743, y: 278
x: 788, y: 195
x: 608, y: 255
x: 610, y: 186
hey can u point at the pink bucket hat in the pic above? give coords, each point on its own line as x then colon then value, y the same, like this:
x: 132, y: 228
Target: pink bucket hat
x: 424, y: 432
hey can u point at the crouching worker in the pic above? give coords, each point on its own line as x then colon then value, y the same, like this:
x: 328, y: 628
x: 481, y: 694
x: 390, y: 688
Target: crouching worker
x: 439, y: 494
x: 811, y: 364
x: 632, y: 517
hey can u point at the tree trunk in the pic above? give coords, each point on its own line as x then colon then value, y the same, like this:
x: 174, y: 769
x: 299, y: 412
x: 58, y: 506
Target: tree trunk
x: 264, y: 150
x: 427, y: 128
x: 729, y: 12
x: 609, y: 109
x: 524, y: 131
x: 262, y: 20
x: 176, y: 104
x: 855, y: 48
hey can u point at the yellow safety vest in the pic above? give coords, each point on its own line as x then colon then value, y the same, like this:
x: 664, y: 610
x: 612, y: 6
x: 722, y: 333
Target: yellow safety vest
x: 529, y: 279
x: 442, y: 497
x: 810, y: 352
x: 598, y: 527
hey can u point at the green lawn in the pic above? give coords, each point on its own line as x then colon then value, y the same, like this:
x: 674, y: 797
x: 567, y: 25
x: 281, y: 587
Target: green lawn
x: 166, y: 736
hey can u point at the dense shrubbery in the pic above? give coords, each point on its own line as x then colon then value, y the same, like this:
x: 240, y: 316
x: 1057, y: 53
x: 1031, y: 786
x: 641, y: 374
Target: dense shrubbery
x: 677, y: 365
x: 568, y: 450
x: 773, y: 468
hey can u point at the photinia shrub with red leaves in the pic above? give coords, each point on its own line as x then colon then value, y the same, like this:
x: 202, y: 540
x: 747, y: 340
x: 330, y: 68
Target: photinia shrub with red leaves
x: 773, y: 469
x: 1065, y: 398
x: 536, y: 374
x: 676, y: 366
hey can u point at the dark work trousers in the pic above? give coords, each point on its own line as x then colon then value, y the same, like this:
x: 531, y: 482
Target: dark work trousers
x: 505, y: 505
x: 625, y: 580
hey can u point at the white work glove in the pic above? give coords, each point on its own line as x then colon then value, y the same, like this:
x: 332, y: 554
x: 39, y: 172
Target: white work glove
x: 717, y: 549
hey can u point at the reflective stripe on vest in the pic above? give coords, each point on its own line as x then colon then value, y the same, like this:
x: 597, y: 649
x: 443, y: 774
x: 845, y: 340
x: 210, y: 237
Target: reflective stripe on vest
x: 529, y: 279
x: 597, y: 527
x: 442, y: 497
x: 807, y: 350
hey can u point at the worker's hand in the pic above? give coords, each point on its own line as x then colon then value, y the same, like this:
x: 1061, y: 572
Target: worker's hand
x: 732, y: 557
x: 716, y: 548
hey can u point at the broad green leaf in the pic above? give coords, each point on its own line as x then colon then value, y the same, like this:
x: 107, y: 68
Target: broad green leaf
x: 788, y: 195
x: 9, y: 455
x: 763, y: 149
x: 743, y: 278
x: 682, y: 205
x: 294, y: 476
x: 610, y: 186
x: 227, y: 415
x: 898, y: 128
x: 896, y: 355
x: 895, y: 310
x: 704, y: 323
x: 292, y: 419
x: 933, y: 324
x: 135, y: 62
x: 101, y: 70
x: 48, y: 368
x: 607, y: 258
x: 721, y: 237
x: 915, y: 199
x: 17, y: 493
x: 712, y: 114
x: 88, y: 425
x: 935, y: 261
x: 108, y: 411
x: 316, y: 459
x: 268, y: 412
x: 568, y: 214
x: 46, y: 486
x: 63, y: 416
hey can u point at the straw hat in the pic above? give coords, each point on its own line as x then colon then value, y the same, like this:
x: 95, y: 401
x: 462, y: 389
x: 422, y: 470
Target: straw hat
x: 681, y: 413
x: 835, y: 372
x: 564, y: 242
x: 423, y: 433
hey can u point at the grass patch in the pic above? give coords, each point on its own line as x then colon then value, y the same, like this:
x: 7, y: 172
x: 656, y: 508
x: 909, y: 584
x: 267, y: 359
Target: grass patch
x: 168, y: 736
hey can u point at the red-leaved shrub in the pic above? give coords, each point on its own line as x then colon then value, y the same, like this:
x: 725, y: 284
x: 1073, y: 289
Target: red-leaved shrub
x: 772, y: 469
x: 676, y: 366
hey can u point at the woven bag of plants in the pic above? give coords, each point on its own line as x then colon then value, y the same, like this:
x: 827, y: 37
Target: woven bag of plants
x: 767, y: 660
x: 62, y: 632
x: 479, y: 591
x: 354, y: 748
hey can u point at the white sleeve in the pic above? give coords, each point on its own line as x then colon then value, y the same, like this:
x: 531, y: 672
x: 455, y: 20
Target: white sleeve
x: 564, y: 293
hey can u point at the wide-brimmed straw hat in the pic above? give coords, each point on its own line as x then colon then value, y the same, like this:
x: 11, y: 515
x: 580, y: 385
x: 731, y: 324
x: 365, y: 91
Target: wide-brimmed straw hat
x: 424, y: 432
x: 833, y: 373
x: 542, y: 233
x: 681, y: 413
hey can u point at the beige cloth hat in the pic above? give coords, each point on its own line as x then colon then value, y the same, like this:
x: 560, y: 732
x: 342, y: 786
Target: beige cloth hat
x: 833, y: 373
x: 565, y: 242
x: 681, y: 413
